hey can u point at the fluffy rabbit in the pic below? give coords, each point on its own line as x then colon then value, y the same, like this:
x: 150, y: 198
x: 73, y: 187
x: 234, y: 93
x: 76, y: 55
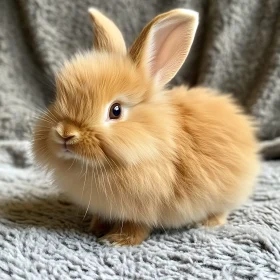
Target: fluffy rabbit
x: 136, y: 155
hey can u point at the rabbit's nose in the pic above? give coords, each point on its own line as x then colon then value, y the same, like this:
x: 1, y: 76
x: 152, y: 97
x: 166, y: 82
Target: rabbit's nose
x: 68, y: 138
x: 69, y: 133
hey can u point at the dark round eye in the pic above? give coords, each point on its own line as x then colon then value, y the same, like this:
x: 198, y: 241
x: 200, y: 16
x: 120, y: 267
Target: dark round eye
x: 115, y: 111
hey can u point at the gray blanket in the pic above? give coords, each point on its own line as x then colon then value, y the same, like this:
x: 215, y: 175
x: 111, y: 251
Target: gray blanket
x: 42, y: 235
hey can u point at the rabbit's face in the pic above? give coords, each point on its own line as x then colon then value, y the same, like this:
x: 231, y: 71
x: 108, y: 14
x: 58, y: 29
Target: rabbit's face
x: 104, y: 108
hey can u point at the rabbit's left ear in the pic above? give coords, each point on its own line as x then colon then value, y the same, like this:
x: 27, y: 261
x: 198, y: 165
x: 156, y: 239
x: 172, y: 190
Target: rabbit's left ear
x: 164, y: 44
x: 107, y: 35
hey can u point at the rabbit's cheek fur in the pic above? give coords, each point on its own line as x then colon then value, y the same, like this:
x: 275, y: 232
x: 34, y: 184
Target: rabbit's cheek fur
x: 129, y: 146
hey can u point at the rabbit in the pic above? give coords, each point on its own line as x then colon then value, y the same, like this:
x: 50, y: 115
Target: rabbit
x: 136, y: 155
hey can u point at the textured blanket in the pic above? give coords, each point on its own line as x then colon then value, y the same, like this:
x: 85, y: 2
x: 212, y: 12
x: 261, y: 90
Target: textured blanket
x: 42, y: 235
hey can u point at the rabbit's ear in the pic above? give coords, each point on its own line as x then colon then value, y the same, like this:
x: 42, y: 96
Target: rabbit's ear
x: 107, y: 35
x: 164, y: 44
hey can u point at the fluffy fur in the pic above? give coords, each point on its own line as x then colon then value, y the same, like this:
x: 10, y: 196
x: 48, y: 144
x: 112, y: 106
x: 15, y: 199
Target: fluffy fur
x: 175, y: 157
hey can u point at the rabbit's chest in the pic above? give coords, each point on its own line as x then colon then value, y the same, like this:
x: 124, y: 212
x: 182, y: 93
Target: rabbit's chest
x: 112, y: 196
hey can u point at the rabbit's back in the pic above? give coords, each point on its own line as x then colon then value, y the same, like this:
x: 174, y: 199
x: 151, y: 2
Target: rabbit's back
x: 218, y: 158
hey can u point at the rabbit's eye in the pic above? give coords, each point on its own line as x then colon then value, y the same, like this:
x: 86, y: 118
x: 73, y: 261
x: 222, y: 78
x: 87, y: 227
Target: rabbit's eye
x: 115, y: 111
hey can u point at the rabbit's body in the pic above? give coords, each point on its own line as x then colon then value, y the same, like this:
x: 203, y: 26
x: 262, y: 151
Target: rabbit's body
x: 213, y: 170
x: 138, y: 156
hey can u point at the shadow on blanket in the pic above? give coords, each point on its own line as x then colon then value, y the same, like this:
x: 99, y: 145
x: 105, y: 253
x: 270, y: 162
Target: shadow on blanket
x: 49, y: 212
x: 57, y: 213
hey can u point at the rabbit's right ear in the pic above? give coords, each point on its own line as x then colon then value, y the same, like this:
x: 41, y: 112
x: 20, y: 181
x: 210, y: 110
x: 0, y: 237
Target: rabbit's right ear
x: 107, y: 35
x: 164, y: 44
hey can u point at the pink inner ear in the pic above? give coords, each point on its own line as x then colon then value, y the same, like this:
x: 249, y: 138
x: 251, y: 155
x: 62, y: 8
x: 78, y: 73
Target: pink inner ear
x: 170, y: 43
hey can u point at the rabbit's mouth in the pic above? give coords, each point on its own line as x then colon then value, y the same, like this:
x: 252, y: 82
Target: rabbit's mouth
x: 63, y: 152
x: 80, y: 151
x: 66, y: 148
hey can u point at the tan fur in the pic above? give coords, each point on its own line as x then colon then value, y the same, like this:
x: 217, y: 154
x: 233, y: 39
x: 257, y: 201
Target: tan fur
x: 107, y: 36
x: 126, y: 234
x: 178, y: 157
x: 215, y: 220
x: 181, y: 43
